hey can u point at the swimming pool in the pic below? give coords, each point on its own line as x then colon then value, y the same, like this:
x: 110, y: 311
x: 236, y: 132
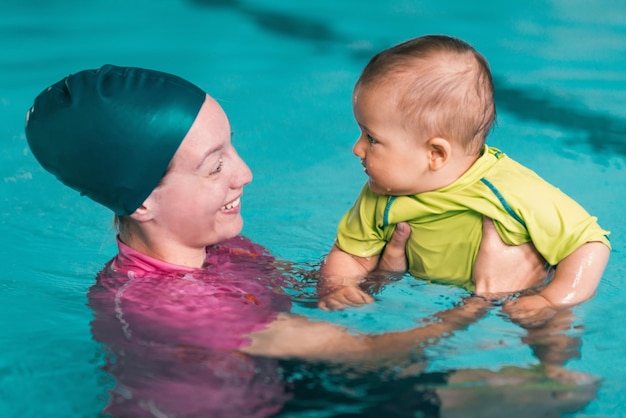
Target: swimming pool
x: 283, y: 71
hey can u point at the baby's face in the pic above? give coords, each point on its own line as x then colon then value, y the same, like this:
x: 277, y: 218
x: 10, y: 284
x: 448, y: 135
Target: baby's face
x: 395, y: 158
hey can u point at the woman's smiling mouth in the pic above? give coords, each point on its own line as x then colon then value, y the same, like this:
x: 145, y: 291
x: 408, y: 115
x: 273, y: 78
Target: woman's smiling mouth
x: 232, y: 205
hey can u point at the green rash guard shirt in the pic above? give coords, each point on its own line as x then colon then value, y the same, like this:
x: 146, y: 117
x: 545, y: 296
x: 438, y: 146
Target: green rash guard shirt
x: 447, y: 224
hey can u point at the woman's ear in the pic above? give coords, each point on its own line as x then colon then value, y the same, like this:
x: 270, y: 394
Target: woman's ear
x: 144, y: 212
x: 439, y: 152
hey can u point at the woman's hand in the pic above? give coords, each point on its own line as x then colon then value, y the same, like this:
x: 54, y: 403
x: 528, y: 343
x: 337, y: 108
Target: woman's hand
x: 394, y: 254
x: 500, y: 268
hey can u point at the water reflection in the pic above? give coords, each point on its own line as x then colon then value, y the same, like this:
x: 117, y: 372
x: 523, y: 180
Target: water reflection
x: 278, y: 22
x: 319, y: 390
x: 602, y: 132
x: 172, y: 342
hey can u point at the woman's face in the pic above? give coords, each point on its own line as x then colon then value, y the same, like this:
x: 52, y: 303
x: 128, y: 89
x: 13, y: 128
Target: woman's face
x: 198, y: 202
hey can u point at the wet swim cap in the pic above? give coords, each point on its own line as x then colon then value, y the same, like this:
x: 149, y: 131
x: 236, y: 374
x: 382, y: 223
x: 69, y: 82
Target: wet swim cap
x: 111, y: 133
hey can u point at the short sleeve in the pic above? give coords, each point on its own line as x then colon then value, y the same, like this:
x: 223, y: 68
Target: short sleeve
x: 360, y: 231
x: 556, y: 224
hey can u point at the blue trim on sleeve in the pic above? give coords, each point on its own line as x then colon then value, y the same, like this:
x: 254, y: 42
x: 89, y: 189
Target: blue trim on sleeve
x: 503, y: 201
x: 387, y: 208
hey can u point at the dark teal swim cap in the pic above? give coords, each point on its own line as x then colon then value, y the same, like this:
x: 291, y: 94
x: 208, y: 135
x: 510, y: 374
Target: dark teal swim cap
x: 111, y: 133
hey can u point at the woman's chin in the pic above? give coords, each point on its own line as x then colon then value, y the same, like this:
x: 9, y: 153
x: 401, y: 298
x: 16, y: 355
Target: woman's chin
x: 233, y: 230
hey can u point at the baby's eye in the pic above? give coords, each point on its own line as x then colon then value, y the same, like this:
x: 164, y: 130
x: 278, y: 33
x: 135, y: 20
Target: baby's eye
x: 371, y: 139
x: 218, y: 167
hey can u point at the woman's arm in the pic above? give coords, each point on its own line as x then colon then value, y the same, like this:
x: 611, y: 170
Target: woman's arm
x: 292, y: 336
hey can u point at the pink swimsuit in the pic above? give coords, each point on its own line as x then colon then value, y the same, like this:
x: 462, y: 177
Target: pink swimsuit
x: 172, y: 332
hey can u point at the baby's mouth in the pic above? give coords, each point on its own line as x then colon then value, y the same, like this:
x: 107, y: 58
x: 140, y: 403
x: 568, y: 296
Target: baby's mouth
x: 231, y: 205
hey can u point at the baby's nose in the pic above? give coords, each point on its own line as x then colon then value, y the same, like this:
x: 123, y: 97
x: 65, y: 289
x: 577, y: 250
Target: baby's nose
x: 358, y: 150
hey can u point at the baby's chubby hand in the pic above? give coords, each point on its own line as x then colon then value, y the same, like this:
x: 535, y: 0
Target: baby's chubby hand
x: 340, y: 298
x: 530, y: 311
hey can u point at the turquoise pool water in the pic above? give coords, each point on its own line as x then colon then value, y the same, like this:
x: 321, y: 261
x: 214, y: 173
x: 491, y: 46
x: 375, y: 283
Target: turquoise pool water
x: 283, y: 71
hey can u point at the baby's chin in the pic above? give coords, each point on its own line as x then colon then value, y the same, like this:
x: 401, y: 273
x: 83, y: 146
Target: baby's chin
x: 379, y: 189
x: 389, y: 191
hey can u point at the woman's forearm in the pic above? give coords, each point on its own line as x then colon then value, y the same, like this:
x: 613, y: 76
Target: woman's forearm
x: 292, y: 336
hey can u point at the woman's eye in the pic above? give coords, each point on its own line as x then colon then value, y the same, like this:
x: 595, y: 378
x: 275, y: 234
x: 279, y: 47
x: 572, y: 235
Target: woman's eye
x: 371, y: 139
x: 218, y: 167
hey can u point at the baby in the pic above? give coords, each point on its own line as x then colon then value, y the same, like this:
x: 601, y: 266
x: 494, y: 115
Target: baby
x: 424, y: 108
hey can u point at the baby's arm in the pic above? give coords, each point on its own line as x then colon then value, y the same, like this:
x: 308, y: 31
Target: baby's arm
x: 341, y: 275
x: 575, y: 280
x: 342, y: 272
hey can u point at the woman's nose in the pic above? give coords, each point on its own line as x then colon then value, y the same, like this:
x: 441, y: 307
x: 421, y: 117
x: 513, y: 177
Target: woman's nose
x: 242, y: 174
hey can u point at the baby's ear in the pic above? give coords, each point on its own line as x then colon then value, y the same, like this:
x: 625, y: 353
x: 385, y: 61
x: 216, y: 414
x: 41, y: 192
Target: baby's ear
x: 439, y: 152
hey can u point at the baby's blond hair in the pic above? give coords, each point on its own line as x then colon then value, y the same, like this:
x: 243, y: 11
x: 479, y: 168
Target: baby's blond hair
x: 446, y: 88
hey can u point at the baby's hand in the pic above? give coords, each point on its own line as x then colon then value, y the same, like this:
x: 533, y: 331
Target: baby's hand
x: 530, y: 311
x: 342, y: 297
